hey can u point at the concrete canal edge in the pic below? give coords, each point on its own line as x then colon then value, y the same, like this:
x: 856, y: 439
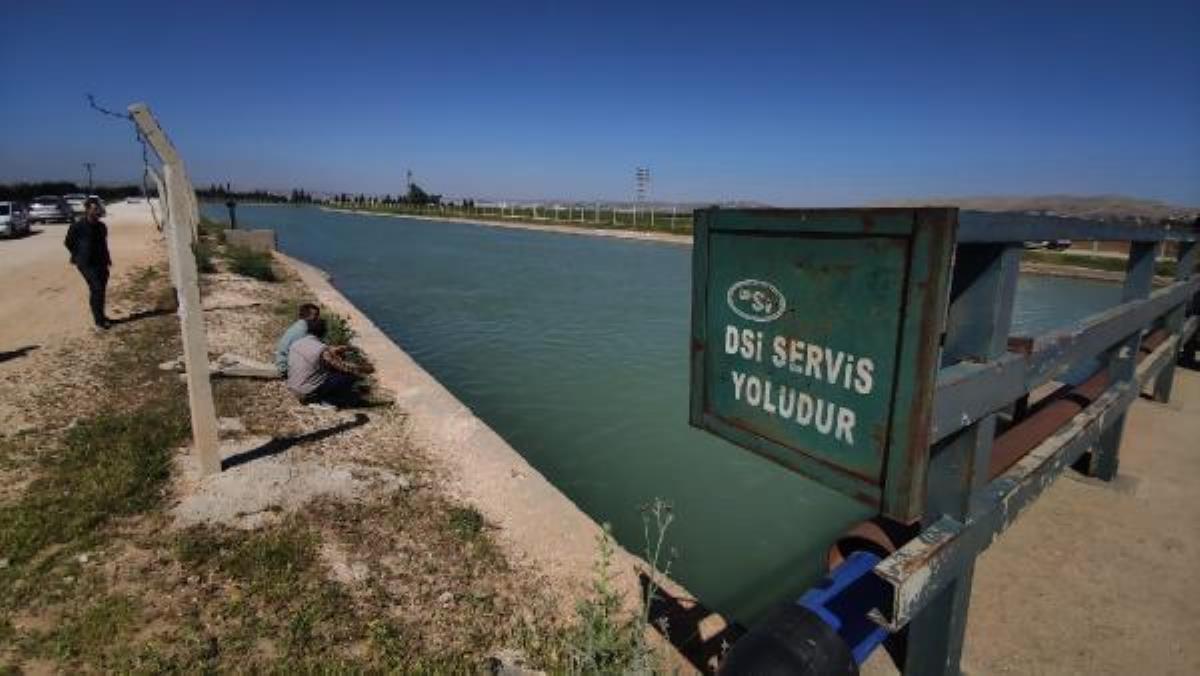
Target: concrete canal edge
x: 1027, y: 267
x: 536, y: 523
x: 615, y: 233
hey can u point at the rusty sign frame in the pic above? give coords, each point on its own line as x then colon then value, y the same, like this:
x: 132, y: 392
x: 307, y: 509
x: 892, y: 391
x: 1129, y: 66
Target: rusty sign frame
x: 899, y: 492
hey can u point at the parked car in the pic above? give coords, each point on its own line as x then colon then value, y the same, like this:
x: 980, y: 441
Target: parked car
x: 1051, y: 244
x: 48, y: 208
x: 103, y: 211
x: 13, y: 221
x: 75, y: 200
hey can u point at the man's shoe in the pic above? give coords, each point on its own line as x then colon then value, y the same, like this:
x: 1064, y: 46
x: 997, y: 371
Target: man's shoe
x: 104, y: 324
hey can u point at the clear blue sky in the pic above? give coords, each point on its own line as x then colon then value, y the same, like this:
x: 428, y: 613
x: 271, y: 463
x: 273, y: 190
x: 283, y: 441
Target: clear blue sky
x: 789, y: 103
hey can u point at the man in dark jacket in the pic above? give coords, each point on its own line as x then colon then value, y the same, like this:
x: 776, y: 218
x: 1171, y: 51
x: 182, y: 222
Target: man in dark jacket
x: 87, y: 240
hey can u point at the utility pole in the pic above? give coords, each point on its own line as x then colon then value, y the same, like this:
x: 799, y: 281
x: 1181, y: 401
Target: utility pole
x: 182, y: 219
x: 88, y: 166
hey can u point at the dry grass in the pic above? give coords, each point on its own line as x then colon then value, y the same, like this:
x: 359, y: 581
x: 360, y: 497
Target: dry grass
x: 96, y: 577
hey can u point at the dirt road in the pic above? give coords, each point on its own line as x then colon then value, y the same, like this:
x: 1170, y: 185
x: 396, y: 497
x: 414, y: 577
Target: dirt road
x: 44, y: 299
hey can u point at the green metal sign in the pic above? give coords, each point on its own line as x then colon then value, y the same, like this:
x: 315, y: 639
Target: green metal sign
x: 815, y: 341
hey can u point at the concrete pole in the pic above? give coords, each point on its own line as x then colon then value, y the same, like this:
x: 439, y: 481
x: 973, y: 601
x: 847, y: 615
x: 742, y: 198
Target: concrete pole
x: 180, y: 228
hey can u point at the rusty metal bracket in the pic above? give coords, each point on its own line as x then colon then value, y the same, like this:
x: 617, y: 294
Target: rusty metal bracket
x: 926, y: 565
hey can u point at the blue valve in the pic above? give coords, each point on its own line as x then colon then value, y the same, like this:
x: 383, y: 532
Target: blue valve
x: 843, y: 599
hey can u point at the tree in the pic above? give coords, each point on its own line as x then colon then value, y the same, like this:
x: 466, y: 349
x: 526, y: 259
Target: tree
x: 417, y: 196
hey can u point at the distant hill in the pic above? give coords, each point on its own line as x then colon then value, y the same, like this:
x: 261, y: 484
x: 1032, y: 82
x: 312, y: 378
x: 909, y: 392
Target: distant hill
x: 1100, y: 207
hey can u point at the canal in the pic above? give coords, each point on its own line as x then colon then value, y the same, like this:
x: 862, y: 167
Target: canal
x: 574, y: 349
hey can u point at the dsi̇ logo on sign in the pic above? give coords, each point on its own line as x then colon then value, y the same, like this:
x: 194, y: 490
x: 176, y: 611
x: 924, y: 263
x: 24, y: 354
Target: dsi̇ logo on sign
x: 756, y: 300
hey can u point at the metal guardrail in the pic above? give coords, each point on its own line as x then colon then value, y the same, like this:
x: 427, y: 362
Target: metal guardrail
x: 982, y: 385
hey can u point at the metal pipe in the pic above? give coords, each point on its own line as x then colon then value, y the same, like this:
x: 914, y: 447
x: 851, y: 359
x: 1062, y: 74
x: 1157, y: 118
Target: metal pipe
x: 1054, y: 412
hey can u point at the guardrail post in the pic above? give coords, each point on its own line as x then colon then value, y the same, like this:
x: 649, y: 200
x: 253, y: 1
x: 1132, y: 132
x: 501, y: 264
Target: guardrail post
x: 1122, y: 358
x: 977, y: 327
x: 1185, y: 262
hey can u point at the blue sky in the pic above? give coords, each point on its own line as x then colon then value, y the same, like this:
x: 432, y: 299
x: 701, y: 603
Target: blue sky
x: 789, y: 103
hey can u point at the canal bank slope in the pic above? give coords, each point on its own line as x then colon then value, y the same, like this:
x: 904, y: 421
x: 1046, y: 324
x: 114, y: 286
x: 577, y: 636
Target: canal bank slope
x: 534, y: 521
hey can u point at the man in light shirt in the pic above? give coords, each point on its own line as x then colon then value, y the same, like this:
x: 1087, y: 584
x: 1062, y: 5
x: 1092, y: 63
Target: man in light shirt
x: 320, y: 373
x: 298, y: 329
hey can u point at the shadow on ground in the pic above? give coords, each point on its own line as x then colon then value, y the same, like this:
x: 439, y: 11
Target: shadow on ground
x: 679, y: 621
x: 17, y: 353
x: 145, y: 314
x: 277, y: 446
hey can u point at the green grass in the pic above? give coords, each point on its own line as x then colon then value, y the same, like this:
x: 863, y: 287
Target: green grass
x: 111, y: 465
x: 1162, y: 268
x: 270, y: 563
x: 250, y: 263
x: 90, y: 634
x: 466, y: 522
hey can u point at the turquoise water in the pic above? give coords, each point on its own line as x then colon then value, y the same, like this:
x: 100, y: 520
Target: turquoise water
x: 574, y: 349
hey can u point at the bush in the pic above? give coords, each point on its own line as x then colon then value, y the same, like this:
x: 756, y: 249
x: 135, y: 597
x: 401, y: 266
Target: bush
x: 212, y: 229
x: 250, y: 263
x: 203, y: 251
x: 337, y: 328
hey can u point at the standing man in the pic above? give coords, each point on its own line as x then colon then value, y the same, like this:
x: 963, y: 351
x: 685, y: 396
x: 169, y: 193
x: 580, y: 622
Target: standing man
x: 87, y: 240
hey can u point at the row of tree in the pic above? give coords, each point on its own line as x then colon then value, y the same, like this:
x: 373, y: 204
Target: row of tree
x: 223, y: 193
x: 416, y: 196
x: 24, y: 192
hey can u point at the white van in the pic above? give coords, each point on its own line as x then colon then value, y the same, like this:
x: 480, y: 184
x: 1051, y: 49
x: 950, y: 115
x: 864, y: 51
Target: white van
x: 13, y: 221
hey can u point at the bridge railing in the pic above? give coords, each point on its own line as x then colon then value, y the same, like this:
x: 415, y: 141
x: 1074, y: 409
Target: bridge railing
x: 993, y: 451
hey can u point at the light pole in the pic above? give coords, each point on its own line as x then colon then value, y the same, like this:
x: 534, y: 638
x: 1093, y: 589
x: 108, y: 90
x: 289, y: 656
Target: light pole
x: 641, y: 179
x: 88, y: 166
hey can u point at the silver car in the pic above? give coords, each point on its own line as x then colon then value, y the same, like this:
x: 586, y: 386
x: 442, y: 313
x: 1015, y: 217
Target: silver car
x: 75, y: 201
x: 12, y: 220
x: 47, y: 208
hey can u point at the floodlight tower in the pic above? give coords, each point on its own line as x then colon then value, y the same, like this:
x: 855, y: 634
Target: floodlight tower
x: 641, y: 181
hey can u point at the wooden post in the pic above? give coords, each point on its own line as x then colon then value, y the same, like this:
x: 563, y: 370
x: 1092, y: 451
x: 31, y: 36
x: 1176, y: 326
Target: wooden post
x: 181, y: 230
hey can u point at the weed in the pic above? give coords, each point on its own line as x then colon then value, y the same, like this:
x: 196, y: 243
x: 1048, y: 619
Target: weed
x: 602, y: 640
x: 605, y: 639
x: 203, y: 251
x: 250, y: 263
x: 388, y: 642
x: 466, y: 522
x: 95, y: 631
x: 337, y: 328
x: 212, y: 229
